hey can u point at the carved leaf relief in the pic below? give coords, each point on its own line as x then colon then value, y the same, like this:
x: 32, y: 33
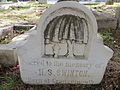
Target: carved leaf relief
x: 66, y: 36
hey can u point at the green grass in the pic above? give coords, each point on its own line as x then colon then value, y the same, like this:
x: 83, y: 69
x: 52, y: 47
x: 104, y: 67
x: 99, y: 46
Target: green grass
x: 19, y: 7
x: 9, y: 81
x: 31, y: 4
x: 108, y: 37
x: 118, y: 60
x: 97, y: 7
x: 3, y: 11
x: 101, y: 6
x: 111, y: 39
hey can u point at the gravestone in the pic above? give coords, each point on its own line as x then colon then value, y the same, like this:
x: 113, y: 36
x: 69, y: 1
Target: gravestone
x: 65, y: 48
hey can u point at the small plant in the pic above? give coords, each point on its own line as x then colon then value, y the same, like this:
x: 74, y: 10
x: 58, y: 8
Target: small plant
x: 111, y: 39
x: 108, y: 37
x: 9, y: 81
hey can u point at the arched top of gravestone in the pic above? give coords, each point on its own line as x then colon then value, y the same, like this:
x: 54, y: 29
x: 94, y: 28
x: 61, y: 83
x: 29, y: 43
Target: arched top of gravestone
x: 67, y: 8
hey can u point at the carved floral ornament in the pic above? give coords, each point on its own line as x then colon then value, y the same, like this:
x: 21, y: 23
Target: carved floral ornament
x: 68, y: 32
x: 64, y: 32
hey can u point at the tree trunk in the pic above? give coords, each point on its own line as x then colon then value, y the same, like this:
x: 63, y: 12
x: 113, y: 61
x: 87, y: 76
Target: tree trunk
x: 118, y: 17
x: 110, y: 2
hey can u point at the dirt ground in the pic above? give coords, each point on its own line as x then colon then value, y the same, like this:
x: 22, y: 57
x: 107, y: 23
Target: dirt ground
x: 31, y: 12
x: 20, y: 15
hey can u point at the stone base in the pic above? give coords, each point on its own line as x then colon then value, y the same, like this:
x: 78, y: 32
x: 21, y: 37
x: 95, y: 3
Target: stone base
x: 8, y: 56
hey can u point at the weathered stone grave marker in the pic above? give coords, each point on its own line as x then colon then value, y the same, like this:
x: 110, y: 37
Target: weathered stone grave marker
x: 65, y: 48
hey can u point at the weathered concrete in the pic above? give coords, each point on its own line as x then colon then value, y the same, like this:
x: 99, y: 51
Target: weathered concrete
x: 8, y: 57
x: 105, y: 20
x: 4, y: 30
x: 118, y: 17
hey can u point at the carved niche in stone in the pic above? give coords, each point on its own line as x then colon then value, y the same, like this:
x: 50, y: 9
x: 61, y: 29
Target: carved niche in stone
x: 66, y: 36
